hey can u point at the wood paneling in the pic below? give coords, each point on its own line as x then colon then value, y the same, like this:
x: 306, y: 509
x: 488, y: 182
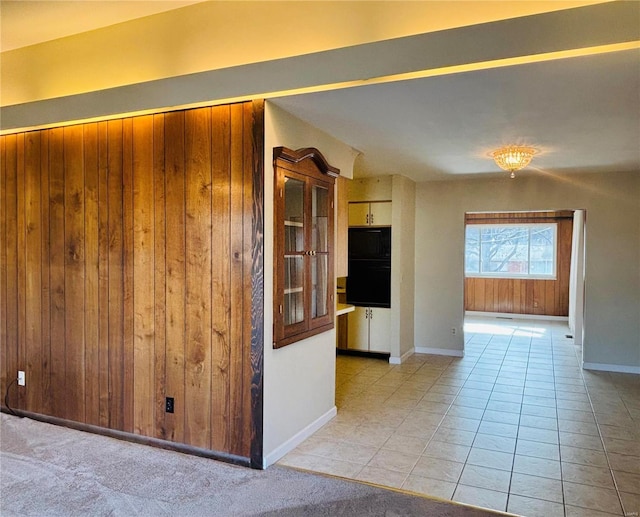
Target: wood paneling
x: 160, y: 287
x: 522, y: 296
x: 175, y: 273
x: 254, y: 149
x: 131, y: 270
x: 116, y: 273
x: 10, y: 265
x: 33, y: 244
x: 45, y: 295
x: 143, y: 276
x: 92, y: 272
x: 220, y: 279
x: 198, y: 278
x: 103, y: 275
x: 56, y: 275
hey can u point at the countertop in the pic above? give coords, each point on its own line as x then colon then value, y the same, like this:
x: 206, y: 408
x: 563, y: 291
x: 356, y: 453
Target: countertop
x: 343, y: 308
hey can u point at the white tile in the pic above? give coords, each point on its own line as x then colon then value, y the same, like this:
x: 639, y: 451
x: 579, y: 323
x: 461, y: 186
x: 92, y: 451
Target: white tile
x: 382, y: 477
x: 583, y: 456
x: 539, y: 466
x: 393, y: 460
x: 469, y: 401
x: 429, y: 486
x: 536, y: 487
x: 498, y: 429
x: 587, y: 475
x: 530, y: 507
x: 481, y: 497
x: 501, y: 416
x: 534, y: 434
x: 485, y: 477
x: 438, y: 469
x: 594, y: 498
x: 321, y: 464
x: 494, y: 443
x: 457, y: 436
x: 539, y: 422
x: 447, y: 451
x: 490, y: 382
x: 491, y: 459
x: 583, y: 441
x: 509, y: 407
x: 406, y: 444
x: 630, y: 503
x: 463, y: 424
x: 627, y: 482
x: 549, y: 412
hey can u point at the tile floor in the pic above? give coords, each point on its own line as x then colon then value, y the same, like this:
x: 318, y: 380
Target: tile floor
x: 515, y: 425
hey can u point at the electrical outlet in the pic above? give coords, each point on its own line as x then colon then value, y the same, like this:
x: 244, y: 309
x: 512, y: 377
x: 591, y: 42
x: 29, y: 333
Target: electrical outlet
x: 453, y: 331
x: 22, y: 378
x: 168, y: 405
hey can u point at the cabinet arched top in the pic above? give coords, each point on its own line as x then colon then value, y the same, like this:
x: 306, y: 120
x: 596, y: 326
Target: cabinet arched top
x: 307, y: 153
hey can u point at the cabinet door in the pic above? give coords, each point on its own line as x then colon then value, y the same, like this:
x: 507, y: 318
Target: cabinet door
x: 359, y: 329
x: 320, y: 243
x: 342, y: 331
x: 358, y: 214
x: 294, y: 311
x: 380, y: 214
x: 379, y: 330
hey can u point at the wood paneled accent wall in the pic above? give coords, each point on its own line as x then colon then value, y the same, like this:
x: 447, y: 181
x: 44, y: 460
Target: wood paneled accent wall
x: 131, y: 270
x: 519, y: 296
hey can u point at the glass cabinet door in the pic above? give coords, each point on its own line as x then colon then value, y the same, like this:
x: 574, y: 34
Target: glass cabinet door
x: 320, y: 250
x: 294, y: 252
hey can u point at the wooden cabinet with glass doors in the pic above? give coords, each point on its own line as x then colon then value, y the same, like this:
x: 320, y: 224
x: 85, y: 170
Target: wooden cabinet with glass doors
x: 304, y: 283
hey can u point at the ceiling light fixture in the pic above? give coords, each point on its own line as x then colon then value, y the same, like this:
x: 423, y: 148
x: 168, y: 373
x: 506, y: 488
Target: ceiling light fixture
x: 513, y: 157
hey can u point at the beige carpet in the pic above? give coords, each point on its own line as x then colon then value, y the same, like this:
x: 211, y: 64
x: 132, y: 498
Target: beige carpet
x: 50, y: 470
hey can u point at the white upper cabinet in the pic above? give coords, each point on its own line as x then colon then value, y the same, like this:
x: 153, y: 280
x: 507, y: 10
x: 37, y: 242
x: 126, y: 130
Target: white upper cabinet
x: 375, y: 213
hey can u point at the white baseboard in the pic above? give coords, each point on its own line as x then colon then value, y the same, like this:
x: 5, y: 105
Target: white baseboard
x: 618, y: 368
x: 439, y: 351
x: 402, y: 358
x: 298, y: 438
x: 516, y: 316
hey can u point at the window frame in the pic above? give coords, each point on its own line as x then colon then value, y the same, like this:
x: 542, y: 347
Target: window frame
x: 509, y: 274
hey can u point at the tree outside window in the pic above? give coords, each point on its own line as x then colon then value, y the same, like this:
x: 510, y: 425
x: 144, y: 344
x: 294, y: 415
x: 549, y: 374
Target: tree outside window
x: 511, y: 250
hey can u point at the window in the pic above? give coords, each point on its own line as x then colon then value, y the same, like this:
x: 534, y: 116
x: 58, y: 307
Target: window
x: 511, y: 250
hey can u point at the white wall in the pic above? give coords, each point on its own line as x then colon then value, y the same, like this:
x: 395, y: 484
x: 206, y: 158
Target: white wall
x: 299, y: 379
x: 612, y: 274
x: 403, y: 276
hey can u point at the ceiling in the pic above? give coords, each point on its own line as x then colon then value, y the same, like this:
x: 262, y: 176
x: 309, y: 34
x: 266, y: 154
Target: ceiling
x: 580, y: 113
x: 27, y: 22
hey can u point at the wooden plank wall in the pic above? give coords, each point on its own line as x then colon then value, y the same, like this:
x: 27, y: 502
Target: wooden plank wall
x: 519, y: 296
x: 131, y: 271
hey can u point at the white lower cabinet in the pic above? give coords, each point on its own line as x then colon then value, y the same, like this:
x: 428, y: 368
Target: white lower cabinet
x: 370, y: 329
